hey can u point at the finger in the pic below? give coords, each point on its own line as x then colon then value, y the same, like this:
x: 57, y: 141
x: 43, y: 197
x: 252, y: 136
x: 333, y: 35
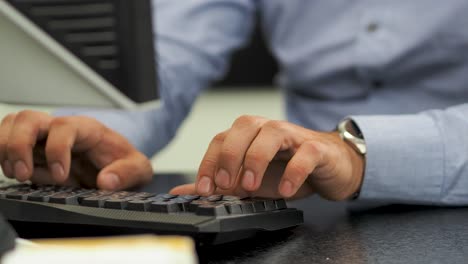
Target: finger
x: 301, y: 165
x: 234, y: 147
x: 263, y: 149
x: 5, y: 129
x: 186, y: 189
x: 80, y: 134
x: 190, y: 189
x: 60, y: 141
x: 122, y: 166
x: 43, y: 176
x: 130, y: 171
x: 208, y: 166
x: 28, y: 127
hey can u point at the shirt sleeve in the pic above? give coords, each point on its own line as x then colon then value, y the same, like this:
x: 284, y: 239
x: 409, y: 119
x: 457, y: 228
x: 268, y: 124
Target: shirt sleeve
x: 417, y: 159
x: 194, y: 40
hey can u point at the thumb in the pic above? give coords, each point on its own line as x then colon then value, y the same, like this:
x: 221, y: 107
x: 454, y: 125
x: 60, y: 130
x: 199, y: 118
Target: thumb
x: 126, y: 172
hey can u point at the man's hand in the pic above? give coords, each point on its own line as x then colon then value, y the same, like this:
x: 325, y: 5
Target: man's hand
x: 69, y: 150
x: 261, y: 157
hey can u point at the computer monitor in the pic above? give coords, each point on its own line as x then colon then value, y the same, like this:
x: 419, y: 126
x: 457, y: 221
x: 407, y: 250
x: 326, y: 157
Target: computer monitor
x: 77, y: 52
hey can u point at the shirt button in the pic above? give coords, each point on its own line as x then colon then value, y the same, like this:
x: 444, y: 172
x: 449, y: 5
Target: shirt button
x: 372, y: 27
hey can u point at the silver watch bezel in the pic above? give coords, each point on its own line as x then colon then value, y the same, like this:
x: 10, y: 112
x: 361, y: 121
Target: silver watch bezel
x: 348, y: 134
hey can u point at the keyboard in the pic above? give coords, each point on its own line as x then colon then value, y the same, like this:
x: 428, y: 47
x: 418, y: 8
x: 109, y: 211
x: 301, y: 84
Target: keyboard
x: 212, y: 219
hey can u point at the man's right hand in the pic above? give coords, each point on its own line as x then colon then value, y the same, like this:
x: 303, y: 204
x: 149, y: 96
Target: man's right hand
x: 69, y: 150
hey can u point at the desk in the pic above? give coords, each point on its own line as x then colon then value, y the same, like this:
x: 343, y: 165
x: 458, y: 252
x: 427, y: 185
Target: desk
x: 333, y: 234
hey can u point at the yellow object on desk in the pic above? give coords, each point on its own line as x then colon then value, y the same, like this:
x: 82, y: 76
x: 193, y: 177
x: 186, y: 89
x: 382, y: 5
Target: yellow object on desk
x: 114, y: 250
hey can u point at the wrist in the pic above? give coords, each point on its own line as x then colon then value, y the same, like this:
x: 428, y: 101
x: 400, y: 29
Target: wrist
x: 358, y: 162
x: 355, y: 144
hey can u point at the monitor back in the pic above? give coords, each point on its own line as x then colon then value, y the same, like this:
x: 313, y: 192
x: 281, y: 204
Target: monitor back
x: 107, y: 44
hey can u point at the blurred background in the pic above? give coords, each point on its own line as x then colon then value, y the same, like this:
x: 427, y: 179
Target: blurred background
x: 249, y: 84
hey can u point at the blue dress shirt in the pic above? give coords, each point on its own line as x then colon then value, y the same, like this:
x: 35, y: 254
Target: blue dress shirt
x: 398, y: 68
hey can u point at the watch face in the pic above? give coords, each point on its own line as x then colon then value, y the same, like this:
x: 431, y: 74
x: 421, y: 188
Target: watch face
x: 351, y: 127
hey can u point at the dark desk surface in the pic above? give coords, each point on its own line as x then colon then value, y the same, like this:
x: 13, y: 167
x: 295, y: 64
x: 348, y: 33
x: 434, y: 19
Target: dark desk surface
x: 334, y: 234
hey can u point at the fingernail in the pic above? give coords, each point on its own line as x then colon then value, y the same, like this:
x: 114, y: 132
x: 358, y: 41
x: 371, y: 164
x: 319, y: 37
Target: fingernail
x: 204, y: 185
x: 286, y: 188
x: 248, y: 181
x: 21, y: 171
x: 57, y: 171
x: 112, y: 180
x: 7, y: 169
x: 222, y: 179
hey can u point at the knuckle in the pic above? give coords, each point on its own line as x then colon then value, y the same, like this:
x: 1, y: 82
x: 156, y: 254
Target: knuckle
x: 60, y: 121
x: 8, y: 118
x: 246, y: 121
x: 312, y: 147
x: 25, y: 114
x: 142, y: 159
x: 315, y: 149
x: 297, y: 171
x: 275, y: 125
x: 139, y: 158
x: 89, y: 122
x: 219, y: 138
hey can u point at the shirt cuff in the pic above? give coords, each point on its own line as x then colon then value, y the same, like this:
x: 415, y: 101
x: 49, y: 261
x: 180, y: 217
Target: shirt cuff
x: 404, y: 161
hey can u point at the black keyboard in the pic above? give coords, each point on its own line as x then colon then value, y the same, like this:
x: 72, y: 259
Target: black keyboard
x: 213, y: 219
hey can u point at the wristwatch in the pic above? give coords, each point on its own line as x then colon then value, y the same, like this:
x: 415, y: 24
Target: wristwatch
x: 351, y: 134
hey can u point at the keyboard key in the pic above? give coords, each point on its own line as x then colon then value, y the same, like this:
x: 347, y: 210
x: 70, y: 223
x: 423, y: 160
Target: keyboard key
x: 4, y: 192
x: 93, y: 199
x: 42, y: 196
x: 212, y: 210
x: 258, y: 206
x: 234, y: 208
x: 191, y: 197
x: 93, y: 202
x: 138, y: 205
x: 192, y: 207
x: 269, y: 205
x: 167, y: 196
x: 214, y: 198
x: 142, y: 195
x: 247, y: 207
x: 280, y: 204
x: 92, y: 194
x: 68, y: 196
x: 182, y: 202
x: 10, y: 189
x: 21, y: 194
x: 230, y: 198
x: 116, y: 203
x: 261, y: 204
x: 165, y: 207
